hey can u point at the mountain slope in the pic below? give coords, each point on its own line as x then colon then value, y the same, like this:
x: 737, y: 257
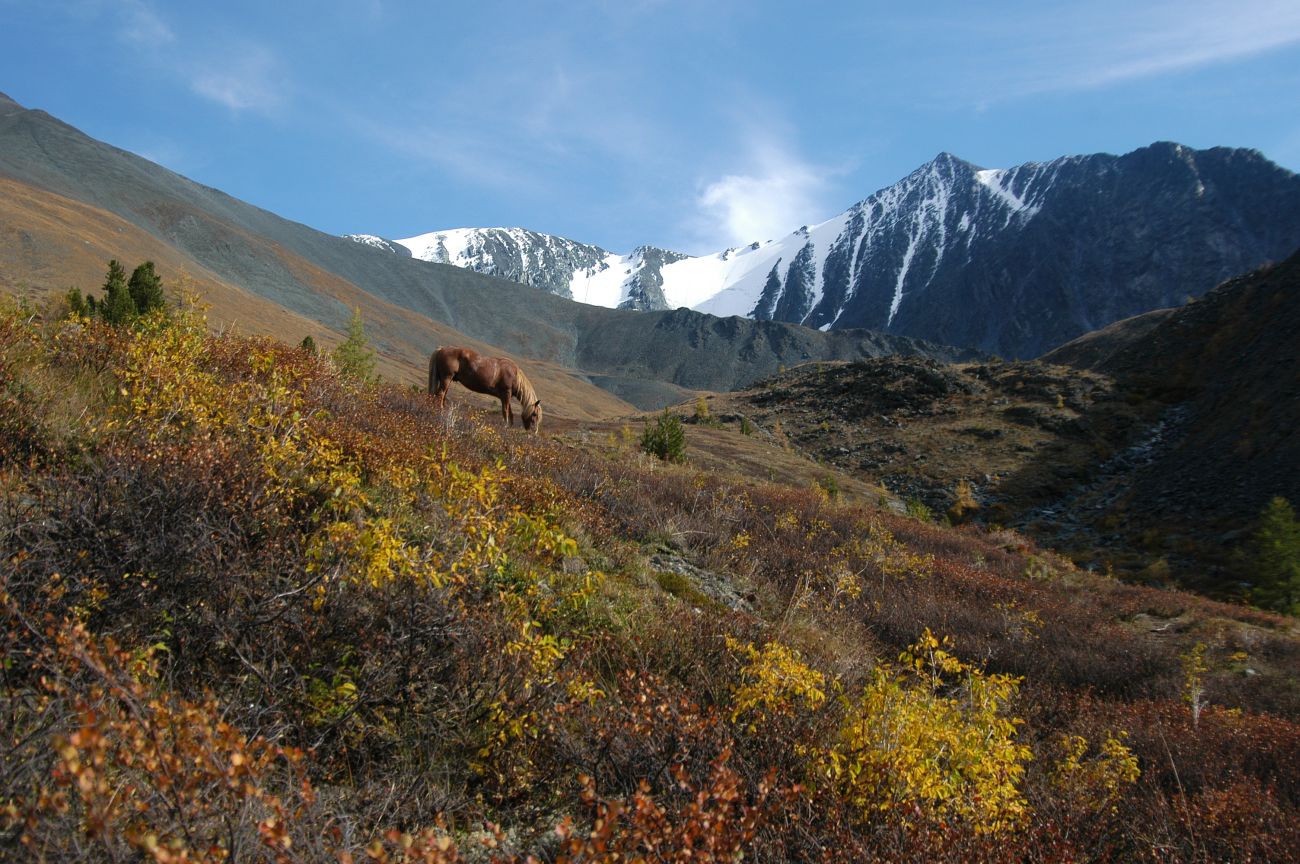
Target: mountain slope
x: 410, y: 305
x: 1148, y: 448
x: 1227, y: 366
x: 205, y: 648
x: 1013, y: 261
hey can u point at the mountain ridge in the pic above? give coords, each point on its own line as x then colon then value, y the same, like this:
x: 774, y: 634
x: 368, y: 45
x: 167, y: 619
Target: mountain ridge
x: 1041, y: 252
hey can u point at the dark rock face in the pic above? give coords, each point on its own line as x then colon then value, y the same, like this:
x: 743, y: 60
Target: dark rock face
x: 1229, y: 363
x: 1018, y: 261
x: 645, y: 287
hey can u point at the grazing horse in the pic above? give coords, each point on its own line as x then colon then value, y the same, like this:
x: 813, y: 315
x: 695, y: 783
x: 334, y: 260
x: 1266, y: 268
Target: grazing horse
x: 496, y: 376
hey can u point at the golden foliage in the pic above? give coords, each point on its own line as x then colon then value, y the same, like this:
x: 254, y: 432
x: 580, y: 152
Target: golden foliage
x: 929, y: 738
x: 774, y: 681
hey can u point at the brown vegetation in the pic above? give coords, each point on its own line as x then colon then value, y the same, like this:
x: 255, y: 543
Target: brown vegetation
x: 252, y: 610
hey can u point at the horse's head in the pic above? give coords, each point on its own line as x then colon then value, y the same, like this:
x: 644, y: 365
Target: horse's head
x: 533, y: 416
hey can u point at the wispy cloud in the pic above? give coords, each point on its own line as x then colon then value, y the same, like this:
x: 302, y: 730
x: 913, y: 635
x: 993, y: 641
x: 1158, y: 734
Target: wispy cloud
x: 241, y: 76
x: 769, y: 198
x: 521, y: 127
x: 1098, y: 45
x: 477, y: 157
x: 249, y: 77
x: 140, y: 25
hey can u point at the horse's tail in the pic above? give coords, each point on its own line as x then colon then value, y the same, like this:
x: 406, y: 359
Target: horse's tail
x: 433, y: 371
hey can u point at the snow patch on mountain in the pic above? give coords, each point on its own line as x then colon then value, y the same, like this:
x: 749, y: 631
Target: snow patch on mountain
x: 603, y: 284
x: 913, y: 256
x: 998, y: 181
x: 376, y: 243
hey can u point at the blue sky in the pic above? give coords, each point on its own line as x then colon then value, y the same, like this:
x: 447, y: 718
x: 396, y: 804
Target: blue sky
x: 691, y: 125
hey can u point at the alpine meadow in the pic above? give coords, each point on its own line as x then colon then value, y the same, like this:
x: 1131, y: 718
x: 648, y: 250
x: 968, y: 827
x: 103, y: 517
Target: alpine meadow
x: 957, y: 524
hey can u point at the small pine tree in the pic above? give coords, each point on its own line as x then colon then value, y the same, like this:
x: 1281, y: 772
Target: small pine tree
x: 146, y: 289
x: 702, y: 414
x: 82, y: 307
x: 354, y: 356
x: 964, y: 504
x: 118, y: 307
x: 1276, y: 559
x: 666, y: 438
x: 308, y: 344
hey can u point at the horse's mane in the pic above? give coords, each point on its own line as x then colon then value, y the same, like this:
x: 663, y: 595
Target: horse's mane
x: 523, y: 390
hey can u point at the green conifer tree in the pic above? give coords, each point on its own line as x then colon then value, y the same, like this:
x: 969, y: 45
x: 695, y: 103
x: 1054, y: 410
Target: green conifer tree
x: 666, y: 438
x: 78, y: 305
x: 354, y: 356
x: 146, y: 289
x: 118, y: 307
x: 1276, y: 573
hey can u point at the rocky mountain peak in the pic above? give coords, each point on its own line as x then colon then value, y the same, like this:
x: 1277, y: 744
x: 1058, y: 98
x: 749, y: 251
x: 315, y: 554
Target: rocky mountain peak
x: 1007, y: 260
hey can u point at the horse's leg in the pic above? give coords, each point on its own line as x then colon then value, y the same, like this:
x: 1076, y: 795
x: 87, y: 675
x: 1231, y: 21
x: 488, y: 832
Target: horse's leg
x: 440, y: 394
x: 505, y: 409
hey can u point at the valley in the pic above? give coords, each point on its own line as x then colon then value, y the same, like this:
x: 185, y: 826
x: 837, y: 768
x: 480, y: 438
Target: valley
x: 901, y: 600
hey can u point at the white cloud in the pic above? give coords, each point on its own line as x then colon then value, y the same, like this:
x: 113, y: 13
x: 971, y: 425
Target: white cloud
x: 775, y: 195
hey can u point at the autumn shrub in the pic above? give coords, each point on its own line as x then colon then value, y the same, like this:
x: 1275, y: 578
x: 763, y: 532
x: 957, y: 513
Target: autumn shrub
x: 715, y: 820
x: 111, y: 765
x: 910, y: 746
x: 964, y: 503
x: 407, y: 626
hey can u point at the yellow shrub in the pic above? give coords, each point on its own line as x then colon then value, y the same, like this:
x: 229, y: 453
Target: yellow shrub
x: 774, y: 682
x: 930, y: 736
x: 1095, y: 782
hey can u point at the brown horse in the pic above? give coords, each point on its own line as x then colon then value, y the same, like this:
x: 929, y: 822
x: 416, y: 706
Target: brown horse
x: 496, y: 376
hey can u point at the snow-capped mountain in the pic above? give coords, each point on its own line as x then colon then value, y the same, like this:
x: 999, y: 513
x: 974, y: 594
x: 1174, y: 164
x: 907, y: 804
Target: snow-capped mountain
x: 578, y: 271
x: 1013, y: 261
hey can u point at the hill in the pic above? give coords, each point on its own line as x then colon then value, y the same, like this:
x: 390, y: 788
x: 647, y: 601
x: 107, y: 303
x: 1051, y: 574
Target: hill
x: 1226, y: 370
x: 252, y: 609
x: 276, y: 274
x: 1147, y: 448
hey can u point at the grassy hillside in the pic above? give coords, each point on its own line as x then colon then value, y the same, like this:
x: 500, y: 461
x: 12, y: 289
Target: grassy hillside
x: 299, y: 273
x: 255, y: 611
x: 57, y: 242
